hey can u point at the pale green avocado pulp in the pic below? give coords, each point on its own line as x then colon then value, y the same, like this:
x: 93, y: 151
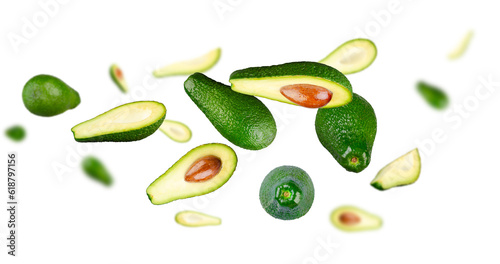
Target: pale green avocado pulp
x: 199, y: 64
x: 117, y: 76
x: 352, y: 219
x: 176, y: 131
x: 352, y: 56
x: 196, y: 219
x: 404, y: 170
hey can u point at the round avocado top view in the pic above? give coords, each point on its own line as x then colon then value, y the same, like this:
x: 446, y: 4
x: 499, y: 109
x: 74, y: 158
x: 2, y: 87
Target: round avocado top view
x: 46, y: 95
x: 287, y: 193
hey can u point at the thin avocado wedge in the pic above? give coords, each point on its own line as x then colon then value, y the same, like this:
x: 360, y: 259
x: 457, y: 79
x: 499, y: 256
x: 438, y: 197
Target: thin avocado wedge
x: 96, y: 170
x: 196, y: 219
x: 287, y: 193
x: 242, y: 119
x: 128, y: 122
x: 202, y: 170
x: 16, y: 133
x: 200, y: 64
x: 348, y: 133
x: 176, y: 131
x: 117, y: 76
x: 352, y: 219
x: 352, y: 56
x: 404, y: 170
x: 433, y: 95
x: 308, y: 84
x: 461, y: 47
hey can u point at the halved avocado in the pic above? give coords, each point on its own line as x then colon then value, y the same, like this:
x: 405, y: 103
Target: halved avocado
x: 175, y: 130
x: 351, y: 219
x: 462, y: 46
x: 128, y: 122
x: 202, y: 170
x: 309, y: 84
x: 352, y: 56
x: 199, y: 64
x: 402, y: 171
x: 117, y: 77
x: 196, y: 219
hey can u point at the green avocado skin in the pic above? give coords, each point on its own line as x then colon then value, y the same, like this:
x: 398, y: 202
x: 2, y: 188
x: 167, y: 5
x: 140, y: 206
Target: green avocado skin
x: 242, y: 119
x: 46, y: 95
x: 436, y: 97
x: 16, y: 133
x: 348, y: 131
x: 303, y: 68
x: 94, y: 168
x: 279, y: 176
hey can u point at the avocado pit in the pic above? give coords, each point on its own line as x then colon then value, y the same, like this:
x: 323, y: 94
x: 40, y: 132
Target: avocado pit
x: 307, y: 95
x: 349, y: 218
x: 203, y: 169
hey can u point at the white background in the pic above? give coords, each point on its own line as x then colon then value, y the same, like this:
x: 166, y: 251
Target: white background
x: 450, y: 215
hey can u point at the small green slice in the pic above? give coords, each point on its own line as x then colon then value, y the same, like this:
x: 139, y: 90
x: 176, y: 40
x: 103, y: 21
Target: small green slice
x: 96, y: 170
x: 402, y: 171
x: 16, y: 133
x: 175, y: 130
x: 436, y: 97
x: 352, y: 56
x: 200, y: 64
x: 117, y: 76
x: 462, y: 46
x: 196, y: 219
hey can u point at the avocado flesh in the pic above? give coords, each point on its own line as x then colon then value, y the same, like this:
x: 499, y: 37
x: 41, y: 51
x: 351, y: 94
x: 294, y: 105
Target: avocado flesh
x: 128, y: 122
x: 348, y: 133
x: 176, y: 131
x: 434, y: 96
x: 357, y: 219
x: 287, y: 193
x: 96, y: 170
x: 402, y: 171
x: 267, y: 81
x: 196, y: 219
x: 462, y: 46
x: 117, y: 76
x: 352, y: 56
x: 242, y: 119
x: 199, y: 64
x: 172, y: 185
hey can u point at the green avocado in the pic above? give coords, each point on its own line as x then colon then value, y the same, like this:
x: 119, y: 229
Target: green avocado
x: 308, y: 84
x: 46, y: 95
x: 196, y: 219
x: 404, y: 170
x: 348, y: 133
x: 352, y: 56
x: 202, y: 170
x: 434, y: 96
x: 351, y: 219
x: 242, y: 119
x: 117, y: 76
x: 128, y: 122
x: 16, y: 133
x: 94, y: 168
x: 287, y: 193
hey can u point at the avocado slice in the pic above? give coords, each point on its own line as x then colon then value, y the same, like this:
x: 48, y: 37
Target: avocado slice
x: 348, y: 133
x: 175, y: 130
x: 117, y: 77
x: 433, y: 95
x: 353, y: 56
x: 242, y: 119
x: 402, y: 171
x: 308, y: 84
x: 462, y: 46
x: 128, y: 122
x: 351, y: 219
x: 199, y: 64
x: 202, y: 170
x: 16, y: 133
x: 46, y: 95
x: 287, y: 193
x: 96, y: 170
x: 196, y: 219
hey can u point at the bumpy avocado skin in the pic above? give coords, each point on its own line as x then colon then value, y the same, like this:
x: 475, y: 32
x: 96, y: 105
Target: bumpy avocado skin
x: 278, y: 177
x: 94, y: 168
x: 348, y: 131
x: 242, y: 119
x: 436, y: 97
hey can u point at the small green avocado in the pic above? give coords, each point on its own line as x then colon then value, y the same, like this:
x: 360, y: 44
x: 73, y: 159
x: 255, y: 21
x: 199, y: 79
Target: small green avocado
x: 287, y: 193
x: 434, y: 96
x: 308, y: 84
x: 46, y: 95
x: 351, y: 219
x: 196, y: 219
x: 94, y: 168
x: 202, y: 170
x: 348, y: 133
x: 16, y: 133
x: 128, y: 122
x: 117, y: 76
x: 242, y: 119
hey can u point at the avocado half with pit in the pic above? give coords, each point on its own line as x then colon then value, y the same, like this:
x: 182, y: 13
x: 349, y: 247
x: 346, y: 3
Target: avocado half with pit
x: 117, y: 76
x: 308, y: 84
x: 202, y: 170
x: 128, y: 122
x: 351, y: 219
